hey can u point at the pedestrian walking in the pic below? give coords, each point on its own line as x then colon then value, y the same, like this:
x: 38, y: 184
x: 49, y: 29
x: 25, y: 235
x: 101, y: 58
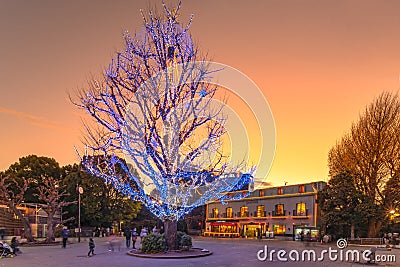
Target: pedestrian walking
x: 143, y: 233
x: 134, y: 237
x: 64, y: 235
x: 2, y: 232
x: 91, y: 247
x: 127, y: 234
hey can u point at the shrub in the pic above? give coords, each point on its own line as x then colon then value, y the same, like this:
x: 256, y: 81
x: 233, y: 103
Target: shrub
x: 179, y: 235
x: 184, y: 240
x: 153, y: 243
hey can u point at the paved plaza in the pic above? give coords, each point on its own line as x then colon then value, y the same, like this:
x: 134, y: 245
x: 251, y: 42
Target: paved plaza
x: 226, y: 252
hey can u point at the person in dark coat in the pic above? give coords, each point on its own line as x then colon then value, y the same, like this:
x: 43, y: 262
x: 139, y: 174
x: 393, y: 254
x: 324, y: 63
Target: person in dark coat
x: 91, y: 247
x: 2, y: 232
x: 134, y: 237
x: 15, y: 245
x: 128, y: 235
x: 302, y: 235
x: 64, y: 235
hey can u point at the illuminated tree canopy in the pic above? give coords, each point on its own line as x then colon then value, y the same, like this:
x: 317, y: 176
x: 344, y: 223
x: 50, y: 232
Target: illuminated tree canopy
x: 158, y: 131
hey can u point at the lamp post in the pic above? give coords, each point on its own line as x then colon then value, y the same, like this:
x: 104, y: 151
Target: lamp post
x: 36, y: 220
x: 80, y: 191
x: 37, y: 212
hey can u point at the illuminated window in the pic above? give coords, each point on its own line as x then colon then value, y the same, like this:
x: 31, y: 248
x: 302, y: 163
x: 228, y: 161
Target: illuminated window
x: 301, y: 189
x: 279, y: 210
x: 279, y: 229
x: 229, y: 228
x: 301, y: 209
x: 229, y: 213
x: 280, y: 191
x: 215, y: 213
x: 261, y: 193
x: 244, y: 211
x: 260, y: 211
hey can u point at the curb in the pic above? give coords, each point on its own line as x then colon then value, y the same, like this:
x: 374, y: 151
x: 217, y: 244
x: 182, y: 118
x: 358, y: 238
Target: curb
x: 194, y: 253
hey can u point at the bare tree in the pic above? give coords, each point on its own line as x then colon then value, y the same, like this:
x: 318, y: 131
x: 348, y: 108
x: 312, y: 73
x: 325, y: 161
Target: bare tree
x: 155, y: 106
x: 51, y: 192
x: 370, y: 152
x: 12, y: 191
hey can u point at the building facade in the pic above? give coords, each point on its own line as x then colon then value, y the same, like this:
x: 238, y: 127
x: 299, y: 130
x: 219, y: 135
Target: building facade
x: 265, y: 212
x: 37, y: 217
x: 10, y: 225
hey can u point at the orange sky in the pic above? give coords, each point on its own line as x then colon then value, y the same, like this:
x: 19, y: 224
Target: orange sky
x: 318, y: 64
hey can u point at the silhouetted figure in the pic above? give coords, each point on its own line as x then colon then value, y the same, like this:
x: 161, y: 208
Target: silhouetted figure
x: 91, y: 247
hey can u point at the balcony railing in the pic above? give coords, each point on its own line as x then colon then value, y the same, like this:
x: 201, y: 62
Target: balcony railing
x: 256, y: 214
x: 260, y: 214
x: 220, y: 216
x: 211, y: 215
x: 296, y: 213
x: 277, y: 214
x: 243, y: 214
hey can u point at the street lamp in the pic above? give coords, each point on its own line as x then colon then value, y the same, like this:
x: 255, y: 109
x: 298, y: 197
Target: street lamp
x: 37, y: 211
x: 36, y: 220
x: 80, y: 191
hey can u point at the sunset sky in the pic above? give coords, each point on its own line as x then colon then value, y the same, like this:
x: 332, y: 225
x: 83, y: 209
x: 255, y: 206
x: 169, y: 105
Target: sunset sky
x: 318, y: 64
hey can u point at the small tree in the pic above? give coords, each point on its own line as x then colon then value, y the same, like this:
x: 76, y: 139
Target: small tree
x: 52, y: 193
x: 154, y: 105
x: 12, y: 191
x: 344, y: 210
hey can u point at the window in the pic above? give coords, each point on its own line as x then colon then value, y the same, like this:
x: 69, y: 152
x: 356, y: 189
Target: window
x: 279, y: 229
x: 244, y: 211
x: 215, y: 213
x: 229, y: 213
x: 221, y: 228
x: 261, y: 193
x: 301, y: 189
x: 280, y: 191
x: 260, y: 211
x: 279, y: 210
x: 301, y: 209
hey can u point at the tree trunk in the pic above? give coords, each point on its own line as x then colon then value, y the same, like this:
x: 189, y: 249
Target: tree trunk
x: 352, y: 231
x: 50, y: 228
x: 25, y: 222
x: 170, y: 228
x: 374, y: 227
x: 28, y: 231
